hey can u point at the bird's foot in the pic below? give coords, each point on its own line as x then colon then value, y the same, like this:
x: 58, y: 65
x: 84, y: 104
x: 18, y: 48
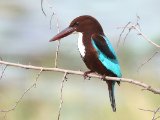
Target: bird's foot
x: 85, y: 75
x: 103, y: 77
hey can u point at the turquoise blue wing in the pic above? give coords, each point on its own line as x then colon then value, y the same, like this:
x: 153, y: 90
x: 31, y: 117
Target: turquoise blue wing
x: 106, y: 54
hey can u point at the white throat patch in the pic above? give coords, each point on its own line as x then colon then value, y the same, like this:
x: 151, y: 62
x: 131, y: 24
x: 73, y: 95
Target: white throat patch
x: 81, y: 46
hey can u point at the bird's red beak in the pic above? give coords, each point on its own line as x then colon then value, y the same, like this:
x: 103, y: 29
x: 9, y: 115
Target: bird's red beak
x: 63, y: 33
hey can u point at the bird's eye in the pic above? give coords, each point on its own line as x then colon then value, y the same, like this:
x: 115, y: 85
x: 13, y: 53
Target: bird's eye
x: 76, y: 23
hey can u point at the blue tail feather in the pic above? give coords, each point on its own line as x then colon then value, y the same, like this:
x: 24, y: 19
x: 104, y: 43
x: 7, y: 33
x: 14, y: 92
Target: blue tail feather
x: 111, y: 95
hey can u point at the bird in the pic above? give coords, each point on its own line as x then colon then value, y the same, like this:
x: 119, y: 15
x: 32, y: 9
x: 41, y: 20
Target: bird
x: 95, y: 49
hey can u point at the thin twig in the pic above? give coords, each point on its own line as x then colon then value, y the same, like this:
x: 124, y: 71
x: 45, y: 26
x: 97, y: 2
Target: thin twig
x: 136, y: 27
x: 131, y: 81
x: 156, y: 118
x: 58, y: 30
x: 153, y: 111
x: 42, y: 7
x: 61, y: 97
x: 147, y: 61
x: 129, y: 30
x: 26, y: 91
x: 137, y: 22
x: 57, y: 52
x: 131, y: 26
x: 122, y: 33
x: 147, y: 110
x: 58, y: 46
x: 145, y: 37
x: 5, y: 116
x: 50, y: 23
x: 3, y: 71
x: 154, y: 114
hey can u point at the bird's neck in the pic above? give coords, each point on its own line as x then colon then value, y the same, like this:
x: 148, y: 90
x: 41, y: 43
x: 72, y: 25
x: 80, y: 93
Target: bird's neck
x: 84, y: 43
x: 86, y: 39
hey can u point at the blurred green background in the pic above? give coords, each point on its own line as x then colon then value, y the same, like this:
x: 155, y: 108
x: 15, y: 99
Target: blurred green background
x: 24, y: 36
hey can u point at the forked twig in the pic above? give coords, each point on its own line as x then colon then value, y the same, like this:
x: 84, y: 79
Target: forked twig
x: 136, y: 26
x: 58, y: 29
x: 154, y: 114
x: 153, y: 111
x: 123, y: 30
x: 26, y: 91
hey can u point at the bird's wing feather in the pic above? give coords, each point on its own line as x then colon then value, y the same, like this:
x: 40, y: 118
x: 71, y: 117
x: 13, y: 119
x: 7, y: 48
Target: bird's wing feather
x: 106, y: 53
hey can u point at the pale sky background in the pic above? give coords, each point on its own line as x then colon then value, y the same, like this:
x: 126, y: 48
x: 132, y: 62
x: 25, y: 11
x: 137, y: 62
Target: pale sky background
x: 24, y: 28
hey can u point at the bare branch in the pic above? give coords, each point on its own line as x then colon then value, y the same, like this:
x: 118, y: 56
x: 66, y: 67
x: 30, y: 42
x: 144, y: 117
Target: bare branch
x: 58, y: 29
x: 145, y: 37
x: 26, y: 91
x: 134, y: 26
x: 61, y: 97
x: 131, y: 81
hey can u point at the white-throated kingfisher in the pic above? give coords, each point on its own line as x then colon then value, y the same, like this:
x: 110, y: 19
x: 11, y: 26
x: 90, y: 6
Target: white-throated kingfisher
x: 95, y: 49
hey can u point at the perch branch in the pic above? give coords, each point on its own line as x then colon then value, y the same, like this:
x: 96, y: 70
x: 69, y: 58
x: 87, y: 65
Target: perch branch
x: 131, y: 81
